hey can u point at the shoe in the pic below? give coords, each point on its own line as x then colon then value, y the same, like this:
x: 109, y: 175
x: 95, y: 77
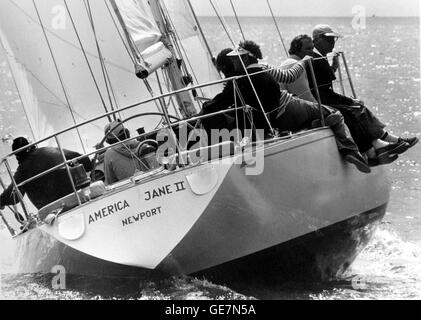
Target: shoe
x: 393, y: 148
x: 411, y: 141
x: 374, y: 162
x: 333, y: 119
x: 358, y: 160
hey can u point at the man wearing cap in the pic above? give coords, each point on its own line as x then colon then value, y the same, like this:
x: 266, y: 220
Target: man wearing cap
x: 380, y: 146
x: 120, y: 161
x: 262, y: 93
x: 33, y: 161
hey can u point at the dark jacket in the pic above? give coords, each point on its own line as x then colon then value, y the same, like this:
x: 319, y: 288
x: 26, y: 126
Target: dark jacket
x: 48, y: 188
x: 266, y: 87
x: 325, y: 77
x: 268, y: 90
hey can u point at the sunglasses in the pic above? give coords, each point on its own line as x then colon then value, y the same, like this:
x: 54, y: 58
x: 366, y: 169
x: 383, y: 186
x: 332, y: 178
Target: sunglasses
x: 330, y: 39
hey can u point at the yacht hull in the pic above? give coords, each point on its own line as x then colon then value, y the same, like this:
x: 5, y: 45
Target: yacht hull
x: 306, y: 216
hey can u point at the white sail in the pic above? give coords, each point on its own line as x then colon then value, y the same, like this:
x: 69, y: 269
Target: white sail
x: 195, y: 53
x: 140, y: 23
x: 30, y: 53
x: 37, y: 121
x: 56, y: 61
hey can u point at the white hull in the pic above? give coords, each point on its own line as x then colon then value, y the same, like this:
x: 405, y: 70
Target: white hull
x: 214, y: 214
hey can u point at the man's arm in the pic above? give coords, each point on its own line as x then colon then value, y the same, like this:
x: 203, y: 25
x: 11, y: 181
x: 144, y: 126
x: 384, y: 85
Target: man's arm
x: 10, y: 197
x: 85, y: 161
x: 289, y: 75
x: 324, y: 77
x: 220, y: 102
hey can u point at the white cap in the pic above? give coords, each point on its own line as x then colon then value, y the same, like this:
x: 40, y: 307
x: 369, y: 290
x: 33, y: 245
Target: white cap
x: 324, y: 30
x: 239, y: 51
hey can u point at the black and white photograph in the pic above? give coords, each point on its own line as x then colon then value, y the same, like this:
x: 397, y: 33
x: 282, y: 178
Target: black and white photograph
x: 218, y: 151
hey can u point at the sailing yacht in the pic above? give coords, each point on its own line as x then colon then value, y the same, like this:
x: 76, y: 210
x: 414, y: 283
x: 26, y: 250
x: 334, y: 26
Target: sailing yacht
x: 80, y: 64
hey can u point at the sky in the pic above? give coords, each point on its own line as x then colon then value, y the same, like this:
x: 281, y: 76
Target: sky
x: 305, y: 8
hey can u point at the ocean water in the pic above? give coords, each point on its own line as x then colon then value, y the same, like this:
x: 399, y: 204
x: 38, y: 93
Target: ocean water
x: 384, y: 60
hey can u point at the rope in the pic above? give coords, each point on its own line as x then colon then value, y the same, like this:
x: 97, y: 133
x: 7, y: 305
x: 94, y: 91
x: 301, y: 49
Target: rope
x: 58, y: 73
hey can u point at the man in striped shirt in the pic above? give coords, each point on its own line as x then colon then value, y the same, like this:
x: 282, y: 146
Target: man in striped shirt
x: 273, y: 107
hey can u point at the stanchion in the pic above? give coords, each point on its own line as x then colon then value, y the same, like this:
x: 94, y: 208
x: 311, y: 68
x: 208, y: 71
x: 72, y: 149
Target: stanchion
x: 341, y: 80
x: 316, y: 89
x: 349, y: 76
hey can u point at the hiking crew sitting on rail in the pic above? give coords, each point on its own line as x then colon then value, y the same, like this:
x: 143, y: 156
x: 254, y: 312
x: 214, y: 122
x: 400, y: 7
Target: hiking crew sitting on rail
x: 261, y: 90
x: 225, y: 64
x: 121, y: 161
x: 34, y: 161
x: 355, y: 118
x: 368, y: 131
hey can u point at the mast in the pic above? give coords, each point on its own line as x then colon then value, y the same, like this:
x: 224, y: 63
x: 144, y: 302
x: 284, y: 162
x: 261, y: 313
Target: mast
x: 141, y: 72
x: 184, y: 100
x: 142, y: 64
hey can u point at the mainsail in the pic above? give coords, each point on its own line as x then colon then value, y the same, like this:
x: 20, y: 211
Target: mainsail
x: 71, y: 62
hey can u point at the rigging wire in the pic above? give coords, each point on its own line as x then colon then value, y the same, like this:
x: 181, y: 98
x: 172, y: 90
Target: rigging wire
x: 29, y: 16
x: 17, y: 88
x: 86, y: 59
x: 222, y: 21
x: 101, y: 57
x: 179, y: 45
x: 244, y: 68
x: 58, y: 73
x: 131, y: 55
x: 63, y: 103
x: 201, y: 32
x: 277, y: 28
x: 238, y: 20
